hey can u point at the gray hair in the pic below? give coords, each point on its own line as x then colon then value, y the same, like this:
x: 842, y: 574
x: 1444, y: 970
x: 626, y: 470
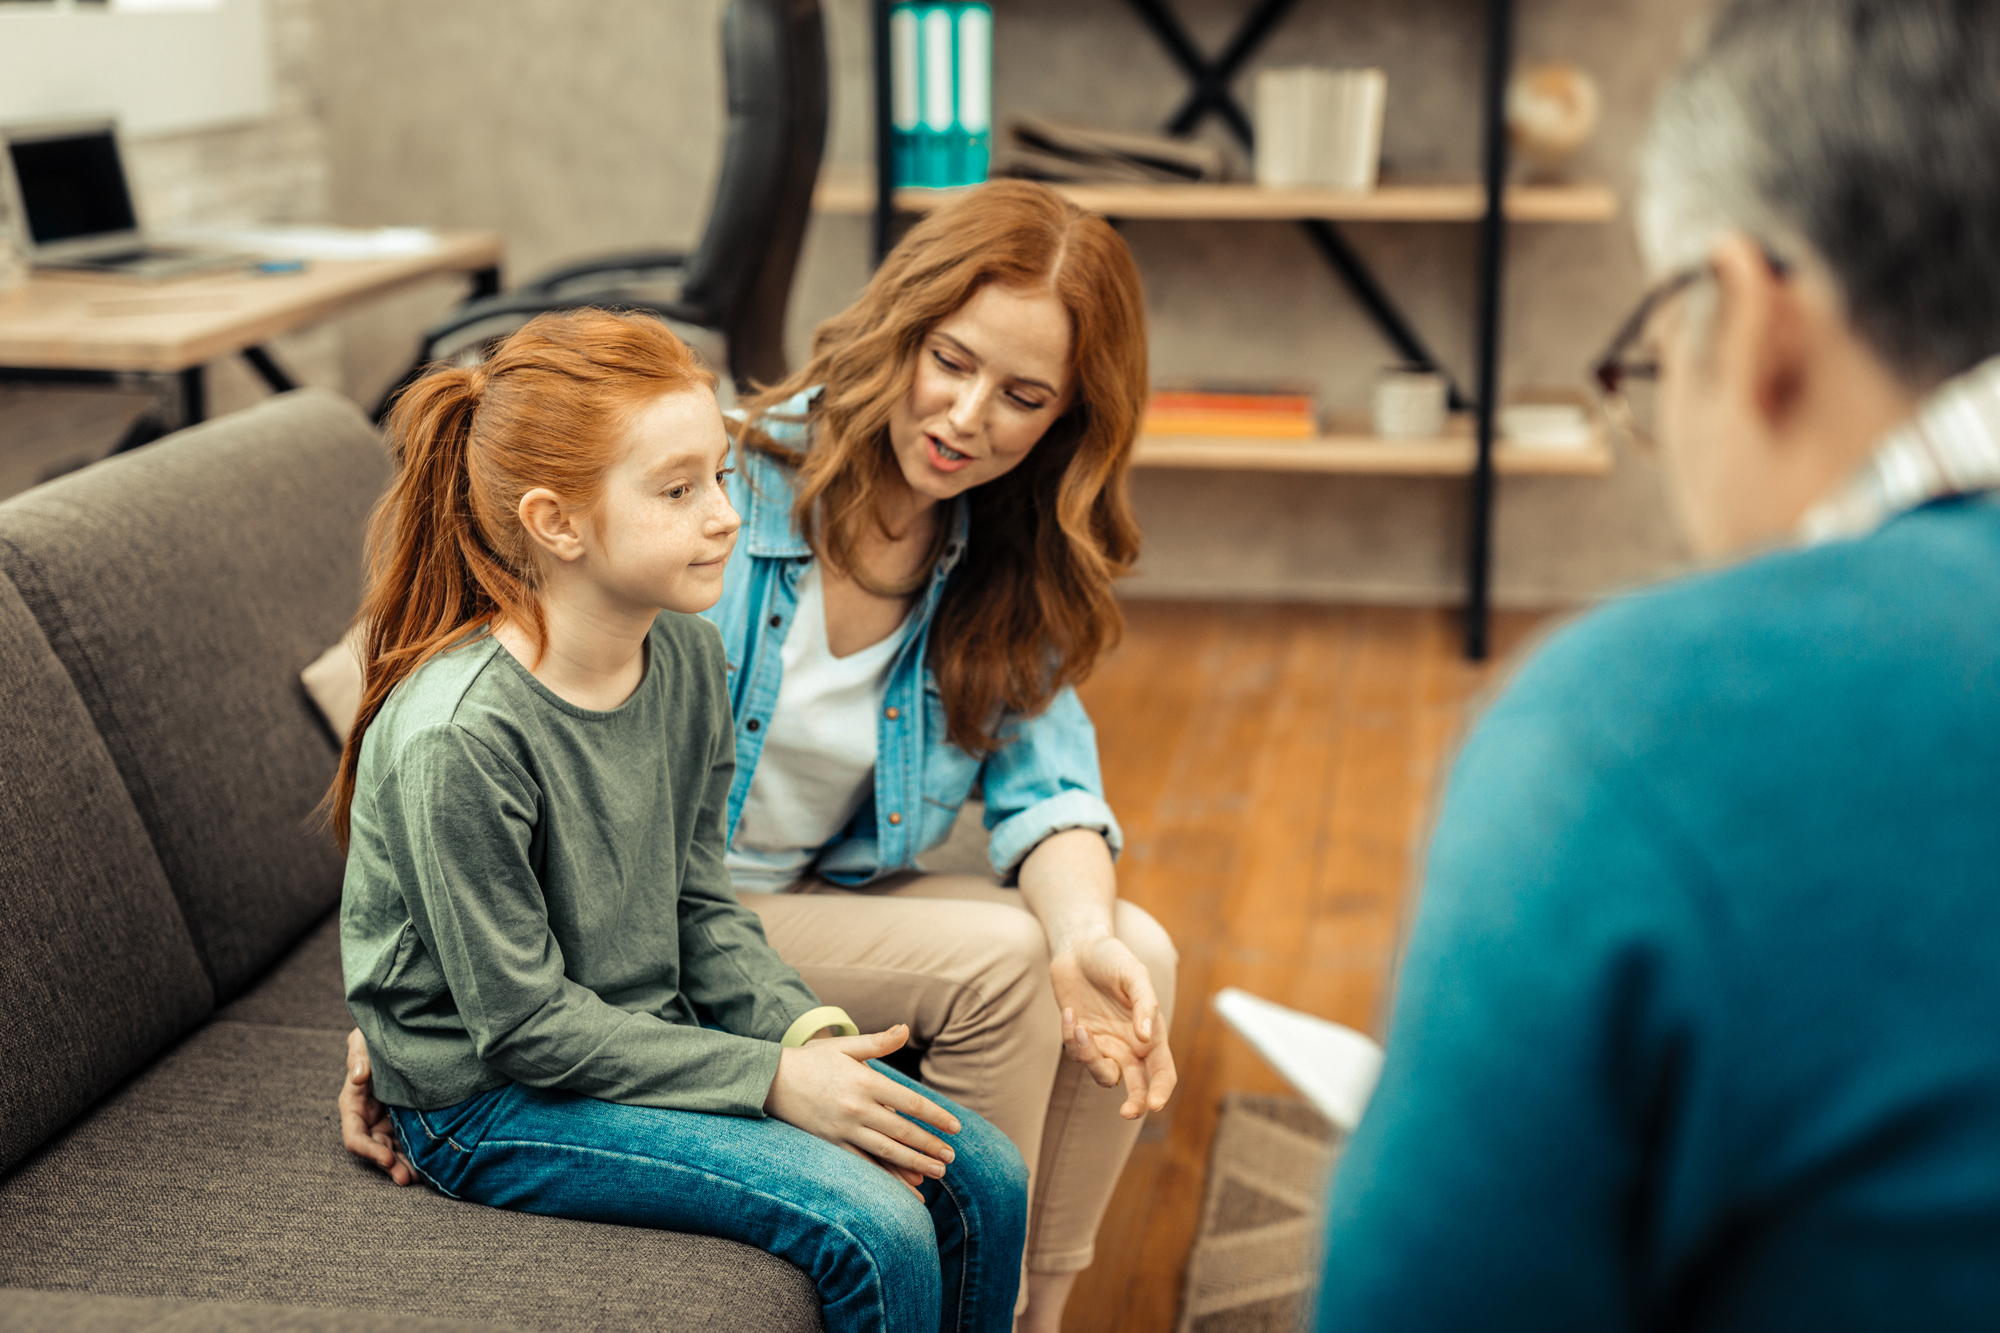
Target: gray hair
x: 1864, y: 134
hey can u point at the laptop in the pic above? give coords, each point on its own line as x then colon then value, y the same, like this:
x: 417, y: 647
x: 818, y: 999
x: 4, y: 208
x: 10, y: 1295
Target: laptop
x: 72, y: 207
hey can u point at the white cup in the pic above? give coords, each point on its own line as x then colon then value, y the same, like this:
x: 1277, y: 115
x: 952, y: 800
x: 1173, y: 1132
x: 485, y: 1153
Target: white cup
x: 1409, y: 403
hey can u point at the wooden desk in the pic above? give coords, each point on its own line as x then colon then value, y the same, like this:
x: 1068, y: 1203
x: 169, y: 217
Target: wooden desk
x: 66, y: 329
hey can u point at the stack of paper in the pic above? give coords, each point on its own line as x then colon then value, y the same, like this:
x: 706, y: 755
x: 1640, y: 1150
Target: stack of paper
x: 1320, y: 127
x: 1334, y: 1066
x: 311, y: 242
x: 1050, y: 150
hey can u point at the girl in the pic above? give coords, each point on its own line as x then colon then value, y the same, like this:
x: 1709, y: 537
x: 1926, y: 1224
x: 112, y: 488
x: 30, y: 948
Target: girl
x: 568, y: 1010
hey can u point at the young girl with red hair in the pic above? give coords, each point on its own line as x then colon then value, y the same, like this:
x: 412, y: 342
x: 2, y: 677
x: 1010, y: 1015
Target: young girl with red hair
x: 567, y: 1009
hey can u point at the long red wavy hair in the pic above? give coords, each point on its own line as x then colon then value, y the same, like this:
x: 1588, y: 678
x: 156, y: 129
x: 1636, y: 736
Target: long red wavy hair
x: 447, y: 551
x: 1031, y: 608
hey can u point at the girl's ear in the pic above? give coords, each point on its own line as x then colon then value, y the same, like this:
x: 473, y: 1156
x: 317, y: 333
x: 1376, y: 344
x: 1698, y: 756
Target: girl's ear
x: 550, y: 524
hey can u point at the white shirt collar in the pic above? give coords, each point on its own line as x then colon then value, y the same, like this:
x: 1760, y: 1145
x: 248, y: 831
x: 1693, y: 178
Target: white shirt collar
x: 1951, y: 447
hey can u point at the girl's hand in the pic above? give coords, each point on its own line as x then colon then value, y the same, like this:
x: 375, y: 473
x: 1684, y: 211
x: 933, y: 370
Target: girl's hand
x: 825, y: 1088
x: 365, y: 1130
x: 1111, y: 1022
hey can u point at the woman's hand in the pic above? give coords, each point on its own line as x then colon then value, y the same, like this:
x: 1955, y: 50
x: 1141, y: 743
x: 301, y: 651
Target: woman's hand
x: 1111, y: 1022
x: 365, y: 1130
x: 1111, y: 1013
x: 825, y: 1088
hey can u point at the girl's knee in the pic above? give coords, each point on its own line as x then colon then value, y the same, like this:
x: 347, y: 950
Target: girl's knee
x: 988, y: 1166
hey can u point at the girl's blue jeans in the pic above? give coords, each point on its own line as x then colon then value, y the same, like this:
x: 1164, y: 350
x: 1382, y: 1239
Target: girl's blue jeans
x: 881, y: 1259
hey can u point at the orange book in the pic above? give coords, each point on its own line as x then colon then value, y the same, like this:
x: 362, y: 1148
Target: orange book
x: 1184, y: 400
x: 1261, y: 425
x: 1291, y: 396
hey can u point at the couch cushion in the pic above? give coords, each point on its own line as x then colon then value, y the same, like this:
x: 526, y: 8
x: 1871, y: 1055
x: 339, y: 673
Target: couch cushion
x: 97, y: 973
x: 218, y: 1175
x: 304, y: 990
x: 73, y: 1312
x: 183, y: 586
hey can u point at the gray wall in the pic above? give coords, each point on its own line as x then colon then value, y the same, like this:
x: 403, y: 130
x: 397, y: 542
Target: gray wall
x: 577, y: 128
x: 580, y: 128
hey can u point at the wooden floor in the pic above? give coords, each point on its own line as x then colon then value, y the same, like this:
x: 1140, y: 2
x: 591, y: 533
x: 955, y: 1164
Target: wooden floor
x: 1272, y: 766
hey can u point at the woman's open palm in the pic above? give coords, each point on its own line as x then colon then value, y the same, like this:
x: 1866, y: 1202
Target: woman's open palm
x: 1111, y: 1022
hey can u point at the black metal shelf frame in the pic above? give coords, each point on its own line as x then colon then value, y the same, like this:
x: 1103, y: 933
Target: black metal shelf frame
x: 1209, y: 93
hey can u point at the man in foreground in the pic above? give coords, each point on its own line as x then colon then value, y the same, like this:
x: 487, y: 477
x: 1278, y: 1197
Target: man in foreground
x: 1700, y: 1022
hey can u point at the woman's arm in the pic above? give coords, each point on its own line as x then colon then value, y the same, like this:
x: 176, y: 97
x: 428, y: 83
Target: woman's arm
x: 1111, y: 1015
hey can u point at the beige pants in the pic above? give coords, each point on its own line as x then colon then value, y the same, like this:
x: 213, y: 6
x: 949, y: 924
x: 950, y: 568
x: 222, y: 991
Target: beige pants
x: 966, y: 965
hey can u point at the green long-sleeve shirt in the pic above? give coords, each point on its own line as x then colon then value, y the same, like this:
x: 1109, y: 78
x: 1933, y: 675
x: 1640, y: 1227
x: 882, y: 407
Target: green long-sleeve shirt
x: 535, y: 891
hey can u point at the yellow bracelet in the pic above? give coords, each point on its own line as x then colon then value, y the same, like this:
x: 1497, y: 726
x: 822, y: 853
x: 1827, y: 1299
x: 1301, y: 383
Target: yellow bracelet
x: 812, y: 1020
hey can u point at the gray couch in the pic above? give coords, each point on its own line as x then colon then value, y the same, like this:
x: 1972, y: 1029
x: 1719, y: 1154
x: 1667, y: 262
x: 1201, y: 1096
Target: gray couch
x: 171, y: 1020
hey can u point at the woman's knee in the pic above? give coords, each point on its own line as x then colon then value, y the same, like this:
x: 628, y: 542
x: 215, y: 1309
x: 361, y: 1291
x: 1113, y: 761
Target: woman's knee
x: 1149, y: 942
x: 1017, y: 940
x: 1015, y: 975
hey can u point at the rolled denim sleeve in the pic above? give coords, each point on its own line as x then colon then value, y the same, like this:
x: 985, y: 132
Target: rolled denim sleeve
x: 1043, y: 780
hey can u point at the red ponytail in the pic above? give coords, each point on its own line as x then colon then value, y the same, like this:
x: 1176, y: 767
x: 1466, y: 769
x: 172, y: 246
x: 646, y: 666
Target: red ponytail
x: 446, y: 548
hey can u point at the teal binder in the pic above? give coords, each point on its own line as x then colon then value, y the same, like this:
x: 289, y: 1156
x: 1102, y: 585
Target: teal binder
x: 903, y: 94
x: 972, y: 144
x: 937, y: 88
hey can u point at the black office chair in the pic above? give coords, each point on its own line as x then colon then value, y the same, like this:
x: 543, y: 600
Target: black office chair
x: 738, y: 279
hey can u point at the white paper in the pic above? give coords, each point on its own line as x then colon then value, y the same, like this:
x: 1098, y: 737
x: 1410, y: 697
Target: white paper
x: 309, y: 242
x: 1334, y: 1066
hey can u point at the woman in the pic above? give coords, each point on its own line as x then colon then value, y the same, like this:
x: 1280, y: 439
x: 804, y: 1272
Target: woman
x: 938, y: 500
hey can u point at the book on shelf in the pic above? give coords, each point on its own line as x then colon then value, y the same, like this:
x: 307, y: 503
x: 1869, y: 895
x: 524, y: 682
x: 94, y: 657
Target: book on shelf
x: 940, y: 93
x: 1054, y: 151
x: 1280, y: 411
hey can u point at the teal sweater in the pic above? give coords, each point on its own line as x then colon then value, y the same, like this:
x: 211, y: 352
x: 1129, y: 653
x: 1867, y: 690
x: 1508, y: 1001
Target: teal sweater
x: 1700, y: 1021
x: 535, y: 891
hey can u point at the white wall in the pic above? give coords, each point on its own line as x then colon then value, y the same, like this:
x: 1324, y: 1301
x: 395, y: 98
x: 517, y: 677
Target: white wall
x: 164, y: 71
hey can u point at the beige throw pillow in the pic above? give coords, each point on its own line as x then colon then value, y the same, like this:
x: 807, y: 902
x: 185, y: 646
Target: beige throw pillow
x: 334, y: 683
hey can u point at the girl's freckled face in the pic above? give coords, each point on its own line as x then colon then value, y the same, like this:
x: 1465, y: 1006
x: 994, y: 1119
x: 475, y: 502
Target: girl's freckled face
x: 664, y: 524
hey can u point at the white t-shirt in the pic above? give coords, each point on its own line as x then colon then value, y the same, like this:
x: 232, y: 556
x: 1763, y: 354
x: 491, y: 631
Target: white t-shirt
x: 818, y: 763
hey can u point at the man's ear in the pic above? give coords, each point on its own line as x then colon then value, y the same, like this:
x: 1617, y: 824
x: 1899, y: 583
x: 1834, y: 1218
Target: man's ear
x: 1758, y: 337
x: 550, y: 524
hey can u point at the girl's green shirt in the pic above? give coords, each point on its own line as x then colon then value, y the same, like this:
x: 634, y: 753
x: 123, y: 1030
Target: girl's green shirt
x: 535, y: 891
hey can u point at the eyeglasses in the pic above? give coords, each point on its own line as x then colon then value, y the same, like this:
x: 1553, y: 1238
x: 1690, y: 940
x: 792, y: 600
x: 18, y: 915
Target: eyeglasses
x: 1628, y: 373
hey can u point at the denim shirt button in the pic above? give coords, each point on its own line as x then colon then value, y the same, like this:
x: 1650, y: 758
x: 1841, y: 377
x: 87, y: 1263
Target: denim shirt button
x: 777, y: 621
x: 893, y: 713
x: 752, y: 725
x: 895, y: 817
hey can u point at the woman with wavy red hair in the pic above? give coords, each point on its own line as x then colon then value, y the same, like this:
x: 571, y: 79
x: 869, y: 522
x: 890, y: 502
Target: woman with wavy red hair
x: 937, y: 500
x: 934, y: 514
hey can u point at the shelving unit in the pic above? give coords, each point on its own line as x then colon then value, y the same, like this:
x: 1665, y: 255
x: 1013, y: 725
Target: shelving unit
x: 1473, y: 449
x: 852, y: 190
x: 1361, y: 454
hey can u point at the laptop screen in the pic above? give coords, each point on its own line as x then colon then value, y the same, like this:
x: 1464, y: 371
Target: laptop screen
x: 72, y: 187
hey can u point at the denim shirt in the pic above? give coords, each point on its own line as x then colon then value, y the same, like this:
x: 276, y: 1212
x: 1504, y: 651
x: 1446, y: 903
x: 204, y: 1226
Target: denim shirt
x: 1043, y: 779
